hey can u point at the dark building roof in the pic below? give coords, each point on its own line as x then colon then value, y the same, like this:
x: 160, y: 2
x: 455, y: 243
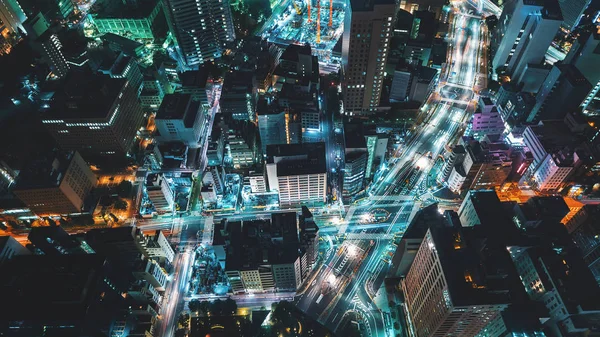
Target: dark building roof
x: 294, y: 159
x: 51, y: 289
x: 179, y: 106
x: 262, y: 242
x: 354, y: 136
x: 118, y: 9
x: 364, y: 5
x: 195, y: 78
x: 292, y: 51
x: 84, y: 95
x: 45, y: 170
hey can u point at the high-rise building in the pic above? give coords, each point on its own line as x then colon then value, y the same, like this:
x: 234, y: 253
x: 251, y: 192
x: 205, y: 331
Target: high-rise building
x: 201, y: 28
x: 554, y: 155
x: 264, y: 255
x: 365, y: 44
x: 238, y: 96
x: 142, y: 20
x: 355, y: 159
x: 94, y: 113
x: 309, y: 236
x: 562, y: 92
x: 180, y: 118
x: 298, y: 172
x: 572, y: 11
x: 377, y: 148
x: 524, y: 32
x: 241, y: 154
x: 12, y: 15
x: 402, y: 82
x: 277, y: 125
x: 484, y: 166
x: 54, y: 10
x: 9, y: 248
x: 55, y: 183
x: 450, y: 289
x: 486, y: 120
x: 160, y: 194
x: 47, y: 44
x: 585, y: 55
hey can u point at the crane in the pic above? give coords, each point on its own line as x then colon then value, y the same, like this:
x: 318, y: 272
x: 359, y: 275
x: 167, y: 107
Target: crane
x: 330, y: 24
x: 308, y: 5
x: 318, y: 21
x: 298, y: 10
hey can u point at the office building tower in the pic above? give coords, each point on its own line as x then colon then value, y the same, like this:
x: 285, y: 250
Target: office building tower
x: 377, y: 148
x: 533, y: 77
x: 450, y: 289
x: 12, y: 15
x: 142, y: 20
x: 199, y: 84
x: 54, y: 10
x: 160, y: 193
x: 423, y: 83
x: 257, y: 182
x: 9, y: 248
x: 572, y: 11
x: 483, y: 166
x: 238, y: 96
x: 554, y: 155
x: 119, y: 245
x: 309, y: 236
x: 263, y: 255
x: 304, y: 112
x: 524, y: 33
x: 155, y: 86
x: 215, y: 148
x: 297, y: 172
x: 355, y: 159
x: 585, y: 233
x: 277, y: 125
x: 47, y: 44
x: 94, y: 114
x: 239, y: 151
x: 365, y: 44
x: 182, y: 119
x: 201, y: 28
x: 486, y: 120
x: 297, y: 66
x: 562, y: 92
x: 585, y: 55
x: 124, y: 66
x: 402, y: 82
x: 55, y: 183
x: 477, y: 208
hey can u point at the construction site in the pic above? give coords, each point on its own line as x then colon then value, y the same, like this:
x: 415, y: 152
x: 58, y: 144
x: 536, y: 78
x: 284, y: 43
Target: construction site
x: 319, y: 23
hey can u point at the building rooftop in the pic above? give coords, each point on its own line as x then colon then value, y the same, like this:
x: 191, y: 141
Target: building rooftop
x: 294, y: 159
x: 471, y: 278
x: 195, y: 78
x: 365, y: 5
x: 179, y: 106
x: 49, y: 288
x: 118, y: 9
x: 45, y: 170
x: 256, y: 242
x: 82, y: 96
x: 354, y: 136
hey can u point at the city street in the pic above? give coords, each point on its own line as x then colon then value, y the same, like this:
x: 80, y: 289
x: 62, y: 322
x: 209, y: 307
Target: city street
x: 331, y: 294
